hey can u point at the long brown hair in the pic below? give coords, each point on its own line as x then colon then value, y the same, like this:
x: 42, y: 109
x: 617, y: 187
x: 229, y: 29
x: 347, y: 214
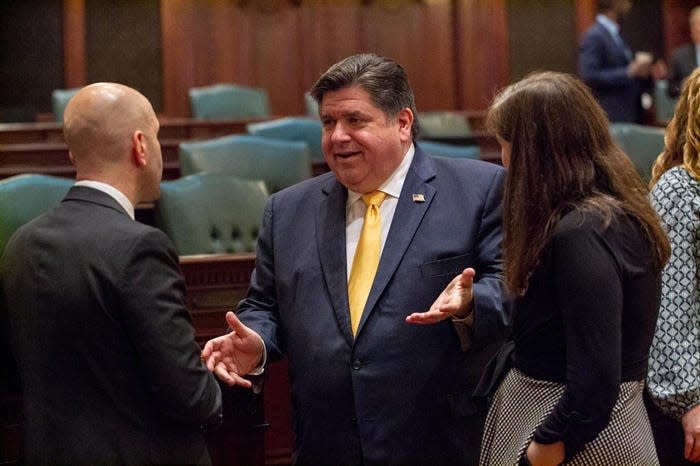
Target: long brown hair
x: 682, y: 141
x: 562, y: 158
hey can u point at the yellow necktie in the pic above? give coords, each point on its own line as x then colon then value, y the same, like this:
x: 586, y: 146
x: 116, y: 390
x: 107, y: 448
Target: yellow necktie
x: 366, y: 260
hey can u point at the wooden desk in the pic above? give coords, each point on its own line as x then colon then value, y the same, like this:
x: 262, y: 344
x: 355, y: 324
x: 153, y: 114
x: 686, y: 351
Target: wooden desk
x: 51, y: 158
x: 170, y: 128
x: 215, y: 284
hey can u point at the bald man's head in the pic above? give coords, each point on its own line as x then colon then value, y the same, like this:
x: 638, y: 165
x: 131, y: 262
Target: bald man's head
x: 100, y: 120
x: 112, y: 134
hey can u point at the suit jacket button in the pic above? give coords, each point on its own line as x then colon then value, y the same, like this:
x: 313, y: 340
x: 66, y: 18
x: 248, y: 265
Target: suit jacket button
x: 356, y: 364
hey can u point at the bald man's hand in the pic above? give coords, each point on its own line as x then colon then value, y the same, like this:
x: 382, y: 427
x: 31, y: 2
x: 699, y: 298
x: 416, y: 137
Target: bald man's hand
x: 235, y: 354
x: 455, y: 300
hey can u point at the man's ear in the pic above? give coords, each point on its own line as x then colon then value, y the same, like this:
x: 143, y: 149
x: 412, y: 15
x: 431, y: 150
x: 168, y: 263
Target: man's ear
x: 405, y: 120
x: 138, y: 149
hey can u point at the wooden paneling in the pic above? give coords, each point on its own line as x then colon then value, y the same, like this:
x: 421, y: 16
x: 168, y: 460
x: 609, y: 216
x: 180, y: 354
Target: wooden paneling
x: 482, y: 51
x: 537, y: 30
x: 283, y: 46
x: 122, y: 44
x: 31, y: 57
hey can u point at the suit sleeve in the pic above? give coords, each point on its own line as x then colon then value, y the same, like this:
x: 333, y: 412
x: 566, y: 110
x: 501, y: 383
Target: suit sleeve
x: 592, y: 65
x: 491, y: 313
x: 157, y: 320
x: 259, y: 309
x: 589, y: 293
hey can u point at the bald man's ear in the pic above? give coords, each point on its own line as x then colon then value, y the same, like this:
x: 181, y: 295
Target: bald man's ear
x: 138, y: 148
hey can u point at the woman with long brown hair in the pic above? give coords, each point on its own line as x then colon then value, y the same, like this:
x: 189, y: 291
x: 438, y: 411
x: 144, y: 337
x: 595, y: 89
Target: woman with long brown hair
x: 583, y: 253
x: 674, y: 361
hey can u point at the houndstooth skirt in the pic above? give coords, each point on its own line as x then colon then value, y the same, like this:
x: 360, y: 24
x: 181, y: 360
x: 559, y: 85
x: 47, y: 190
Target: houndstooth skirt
x: 521, y: 403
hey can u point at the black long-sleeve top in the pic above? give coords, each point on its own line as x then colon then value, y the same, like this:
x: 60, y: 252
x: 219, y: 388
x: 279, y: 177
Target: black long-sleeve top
x: 587, y: 320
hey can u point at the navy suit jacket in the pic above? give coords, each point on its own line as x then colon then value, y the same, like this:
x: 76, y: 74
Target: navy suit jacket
x: 110, y: 372
x: 683, y: 62
x: 602, y: 65
x: 397, y: 393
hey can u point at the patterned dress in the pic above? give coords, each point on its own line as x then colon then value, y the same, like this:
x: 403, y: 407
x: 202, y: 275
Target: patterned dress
x: 674, y: 361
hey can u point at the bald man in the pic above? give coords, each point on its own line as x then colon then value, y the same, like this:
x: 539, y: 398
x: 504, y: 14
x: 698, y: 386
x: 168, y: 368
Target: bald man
x: 109, y: 368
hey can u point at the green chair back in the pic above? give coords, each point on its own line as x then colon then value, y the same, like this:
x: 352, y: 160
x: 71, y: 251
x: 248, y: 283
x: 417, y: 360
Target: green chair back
x: 209, y: 213
x: 278, y: 163
x: 59, y: 100
x: 229, y: 101
x: 441, y: 149
x: 664, y: 106
x: 25, y: 197
x: 303, y: 129
x: 443, y: 124
x: 642, y: 144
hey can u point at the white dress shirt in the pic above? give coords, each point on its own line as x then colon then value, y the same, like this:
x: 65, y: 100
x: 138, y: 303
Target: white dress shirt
x: 355, y: 208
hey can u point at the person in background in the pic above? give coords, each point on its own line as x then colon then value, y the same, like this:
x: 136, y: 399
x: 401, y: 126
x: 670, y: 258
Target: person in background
x: 583, y: 253
x: 606, y: 64
x: 674, y: 361
x: 110, y: 371
x: 370, y: 384
x: 685, y: 58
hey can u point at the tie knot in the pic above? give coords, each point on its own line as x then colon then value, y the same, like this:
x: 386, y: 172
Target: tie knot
x: 375, y: 198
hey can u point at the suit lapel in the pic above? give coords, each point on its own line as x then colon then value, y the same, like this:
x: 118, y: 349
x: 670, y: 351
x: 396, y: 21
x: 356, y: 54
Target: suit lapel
x: 330, y: 237
x: 407, y: 219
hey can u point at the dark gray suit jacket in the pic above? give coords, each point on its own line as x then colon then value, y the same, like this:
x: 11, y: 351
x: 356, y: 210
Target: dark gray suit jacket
x: 109, y: 369
x: 397, y: 393
x: 683, y: 62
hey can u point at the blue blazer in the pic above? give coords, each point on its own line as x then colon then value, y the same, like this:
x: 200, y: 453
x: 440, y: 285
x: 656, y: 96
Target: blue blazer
x: 602, y: 65
x: 397, y: 393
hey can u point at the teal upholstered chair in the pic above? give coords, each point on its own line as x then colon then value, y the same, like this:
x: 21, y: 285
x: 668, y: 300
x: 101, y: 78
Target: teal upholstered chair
x: 222, y: 101
x: 208, y: 213
x: 664, y: 106
x: 24, y: 197
x: 303, y: 129
x: 441, y: 149
x: 642, y: 144
x: 59, y: 100
x: 443, y: 125
x: 278, y: 163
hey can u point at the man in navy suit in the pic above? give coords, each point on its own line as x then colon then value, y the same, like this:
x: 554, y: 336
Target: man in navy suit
x: 392, y: 391
x: 684, y: 59
x: 110, y: 371
x: 607, y: 66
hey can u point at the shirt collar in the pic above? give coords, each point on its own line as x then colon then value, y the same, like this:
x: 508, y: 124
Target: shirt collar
x: 608, y: 24
x: 111, y: 191
x: 393, y: 185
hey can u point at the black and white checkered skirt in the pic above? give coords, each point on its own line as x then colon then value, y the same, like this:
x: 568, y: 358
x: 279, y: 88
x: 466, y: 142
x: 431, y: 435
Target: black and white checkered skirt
x: 521, y: 403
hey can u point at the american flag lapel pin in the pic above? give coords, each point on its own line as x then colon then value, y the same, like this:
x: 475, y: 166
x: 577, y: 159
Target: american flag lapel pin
x: 418, y: 197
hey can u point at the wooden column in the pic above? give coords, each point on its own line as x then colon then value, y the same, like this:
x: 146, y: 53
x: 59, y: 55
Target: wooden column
x: 74, y: 43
